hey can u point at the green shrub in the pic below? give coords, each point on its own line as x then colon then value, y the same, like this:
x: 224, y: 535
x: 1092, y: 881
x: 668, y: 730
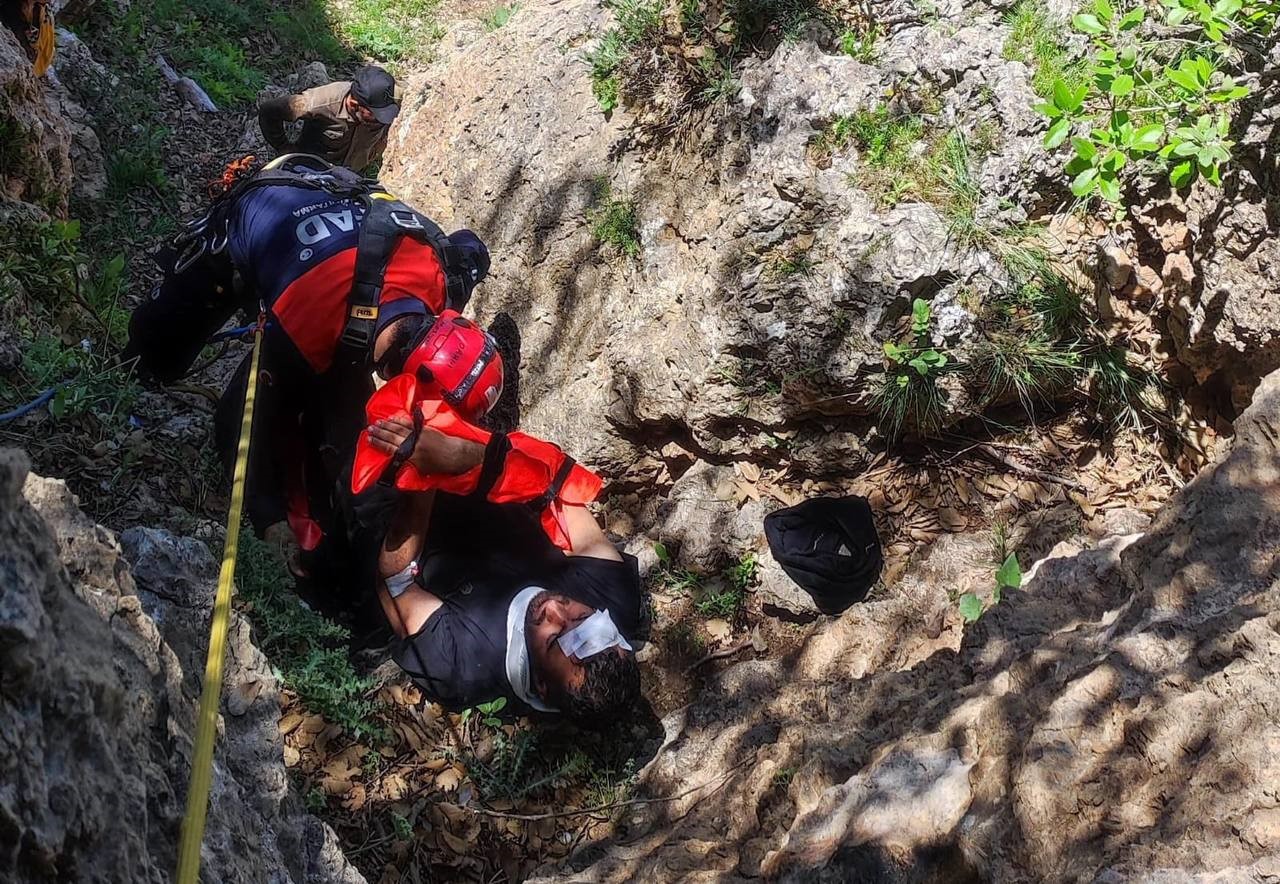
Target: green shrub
x: 309, y: 650
x: 390, y: 30
x: 1157, y: 100
x: 86, y: 382
x: 138, y: 166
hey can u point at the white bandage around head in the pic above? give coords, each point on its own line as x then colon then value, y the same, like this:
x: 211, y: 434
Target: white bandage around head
x: 401, y: 581
x: 592, y: 636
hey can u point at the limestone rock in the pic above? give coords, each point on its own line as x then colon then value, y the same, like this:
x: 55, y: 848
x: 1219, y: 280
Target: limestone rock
x: 37, y: 167
x: 1083, y: 729
x: 699, y: 337
x: 99, y: 682
x: 1115, y: 264
x: 1223, y: 317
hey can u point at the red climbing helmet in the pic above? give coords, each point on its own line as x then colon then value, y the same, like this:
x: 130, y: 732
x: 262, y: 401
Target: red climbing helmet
x: 456, y: 358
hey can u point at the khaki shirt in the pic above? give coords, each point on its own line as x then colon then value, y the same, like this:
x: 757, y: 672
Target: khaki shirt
x: 327, y: 129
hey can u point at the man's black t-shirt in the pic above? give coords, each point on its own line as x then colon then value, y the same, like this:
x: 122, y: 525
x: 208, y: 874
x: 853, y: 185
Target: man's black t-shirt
x: 478, y: 556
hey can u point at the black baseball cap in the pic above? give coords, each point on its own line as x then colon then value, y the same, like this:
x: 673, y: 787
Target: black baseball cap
x: 829, y: 546
x: 376, y: 89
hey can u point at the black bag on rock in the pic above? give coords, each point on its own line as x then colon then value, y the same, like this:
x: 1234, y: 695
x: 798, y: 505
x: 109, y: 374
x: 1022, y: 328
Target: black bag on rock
x: 829, y: 547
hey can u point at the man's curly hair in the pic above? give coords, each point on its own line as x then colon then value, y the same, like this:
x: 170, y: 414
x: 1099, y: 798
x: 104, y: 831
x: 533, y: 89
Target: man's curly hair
x: 610, y: 689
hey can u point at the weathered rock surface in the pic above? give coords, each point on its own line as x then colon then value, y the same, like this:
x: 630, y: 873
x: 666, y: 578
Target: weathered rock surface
x: 35, y: 162
x: 98, y: 686
x: 700, y: 339
x: 1116, y: 719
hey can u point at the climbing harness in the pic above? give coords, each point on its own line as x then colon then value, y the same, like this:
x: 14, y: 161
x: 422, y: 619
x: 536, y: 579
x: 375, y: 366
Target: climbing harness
x: 207, y: 718
x: 386, y: 219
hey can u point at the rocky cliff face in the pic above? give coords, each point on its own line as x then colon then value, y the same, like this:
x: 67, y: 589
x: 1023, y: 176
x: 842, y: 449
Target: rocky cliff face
x: 35, y: 140
x: 767, y: 281
x: 1117, y: 719
x: 1114, y: 718
x: 100, y: 669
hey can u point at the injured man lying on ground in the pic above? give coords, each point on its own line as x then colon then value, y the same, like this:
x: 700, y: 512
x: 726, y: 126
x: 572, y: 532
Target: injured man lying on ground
x: 529, y: 601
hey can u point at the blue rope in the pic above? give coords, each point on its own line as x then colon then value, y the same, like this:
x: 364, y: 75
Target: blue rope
x: 39, y: 402
x: 233, y: 333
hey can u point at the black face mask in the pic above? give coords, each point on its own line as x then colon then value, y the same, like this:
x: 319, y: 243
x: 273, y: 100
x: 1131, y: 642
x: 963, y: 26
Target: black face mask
x: 829, y: 547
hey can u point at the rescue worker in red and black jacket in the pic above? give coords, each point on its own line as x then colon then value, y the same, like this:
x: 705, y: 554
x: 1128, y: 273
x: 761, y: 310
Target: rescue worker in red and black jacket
x: 351, y: 280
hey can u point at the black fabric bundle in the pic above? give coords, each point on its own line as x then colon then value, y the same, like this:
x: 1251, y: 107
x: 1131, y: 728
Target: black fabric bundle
x: 829, y: 547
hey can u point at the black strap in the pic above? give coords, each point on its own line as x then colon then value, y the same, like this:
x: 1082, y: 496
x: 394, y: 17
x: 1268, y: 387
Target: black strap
x: 403, y: 453
x: 385, y: 221
x: 543, y: 500
x: 495, y: 457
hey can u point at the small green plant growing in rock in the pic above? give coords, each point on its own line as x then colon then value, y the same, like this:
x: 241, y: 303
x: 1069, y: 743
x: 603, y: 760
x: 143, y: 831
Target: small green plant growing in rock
x: 920, y: 357
x: 315, y: 800
x: 401, y: 827
x: 909, y: 392
x: 486, y: 713
x: 673, y: 575
x: 500, y: 16
x: 860, y: 43
x: 790, y: 260
x: 1008, y: 576
x: 1159, y: 103
x: 614, y: 220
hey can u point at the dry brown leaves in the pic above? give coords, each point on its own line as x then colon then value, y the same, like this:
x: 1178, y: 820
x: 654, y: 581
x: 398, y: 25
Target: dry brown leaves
x: 960, y: 490
x: 415, y: 777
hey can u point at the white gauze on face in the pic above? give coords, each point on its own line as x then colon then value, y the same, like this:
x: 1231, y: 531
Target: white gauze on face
x: 592, y: 636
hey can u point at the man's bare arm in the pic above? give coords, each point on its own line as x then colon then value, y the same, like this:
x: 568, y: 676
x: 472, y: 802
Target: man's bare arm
x: 272, y: 116
x: 586, y: 536
x: 401, y: 547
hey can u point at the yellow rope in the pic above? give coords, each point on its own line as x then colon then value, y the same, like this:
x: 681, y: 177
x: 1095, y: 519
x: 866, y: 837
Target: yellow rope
x: 206, y: 724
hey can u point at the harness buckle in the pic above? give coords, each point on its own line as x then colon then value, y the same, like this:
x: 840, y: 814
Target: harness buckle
x: 406, y: 220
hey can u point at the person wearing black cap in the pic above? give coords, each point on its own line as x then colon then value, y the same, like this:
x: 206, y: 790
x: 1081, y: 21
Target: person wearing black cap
x: 345, y: 122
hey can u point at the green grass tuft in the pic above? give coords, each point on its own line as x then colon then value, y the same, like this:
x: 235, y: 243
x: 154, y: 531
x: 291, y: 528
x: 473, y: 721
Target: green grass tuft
x: 1124, y: 395
x: 615, y: 221
x: 309, y: 650
x: 1020, y: 361
x: 636, y: 22
x: 1038, y: 42
x: 906, y: 400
